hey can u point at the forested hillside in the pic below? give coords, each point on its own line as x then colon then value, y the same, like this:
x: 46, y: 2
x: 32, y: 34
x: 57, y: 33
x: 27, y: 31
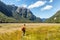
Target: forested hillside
x: 55, y: 18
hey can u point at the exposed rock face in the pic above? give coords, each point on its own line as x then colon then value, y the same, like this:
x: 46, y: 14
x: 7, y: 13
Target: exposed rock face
x: 18, y: 13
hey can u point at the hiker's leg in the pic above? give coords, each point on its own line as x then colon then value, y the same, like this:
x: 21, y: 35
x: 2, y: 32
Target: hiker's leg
x: 24, y: 33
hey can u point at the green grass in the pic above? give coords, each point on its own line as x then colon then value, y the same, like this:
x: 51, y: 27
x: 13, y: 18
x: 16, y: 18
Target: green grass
x: 34, y: 31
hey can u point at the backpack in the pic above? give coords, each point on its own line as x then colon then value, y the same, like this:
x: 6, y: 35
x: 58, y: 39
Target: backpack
x: 23, y: 29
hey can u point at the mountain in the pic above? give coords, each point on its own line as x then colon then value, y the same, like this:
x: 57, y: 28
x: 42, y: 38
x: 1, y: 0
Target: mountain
x: 4, y: 9
x: 55, y: 18
x: 43, y: 19
x: 4, y: 18
x: 12, y: 13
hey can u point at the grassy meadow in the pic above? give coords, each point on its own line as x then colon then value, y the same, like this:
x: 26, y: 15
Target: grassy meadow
x: 34, y: 31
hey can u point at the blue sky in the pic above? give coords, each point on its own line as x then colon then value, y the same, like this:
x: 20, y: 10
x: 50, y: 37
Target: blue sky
x: 40, y: 8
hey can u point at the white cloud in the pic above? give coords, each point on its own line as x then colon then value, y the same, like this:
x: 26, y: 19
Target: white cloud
x: 24, y: 5
x: 37, y: 4
x: 47, y: 7
x: 51, y: 0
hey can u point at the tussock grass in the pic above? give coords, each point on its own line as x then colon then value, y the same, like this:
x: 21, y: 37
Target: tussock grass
x: 34, y: 31
x: 10, y: 34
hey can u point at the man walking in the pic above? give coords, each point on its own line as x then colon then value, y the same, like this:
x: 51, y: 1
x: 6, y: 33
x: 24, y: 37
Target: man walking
x: 24, y: 29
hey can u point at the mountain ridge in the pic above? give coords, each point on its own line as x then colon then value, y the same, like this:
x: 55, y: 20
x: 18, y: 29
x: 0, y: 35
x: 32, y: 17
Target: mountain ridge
x: 55, y: 18
x: 20, y: 14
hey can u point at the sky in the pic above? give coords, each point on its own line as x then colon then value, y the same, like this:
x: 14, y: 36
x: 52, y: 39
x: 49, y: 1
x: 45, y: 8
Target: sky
x: 40, y: 8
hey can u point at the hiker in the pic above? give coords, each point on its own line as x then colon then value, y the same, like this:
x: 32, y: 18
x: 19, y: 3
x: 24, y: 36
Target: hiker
x: 23, y: 29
